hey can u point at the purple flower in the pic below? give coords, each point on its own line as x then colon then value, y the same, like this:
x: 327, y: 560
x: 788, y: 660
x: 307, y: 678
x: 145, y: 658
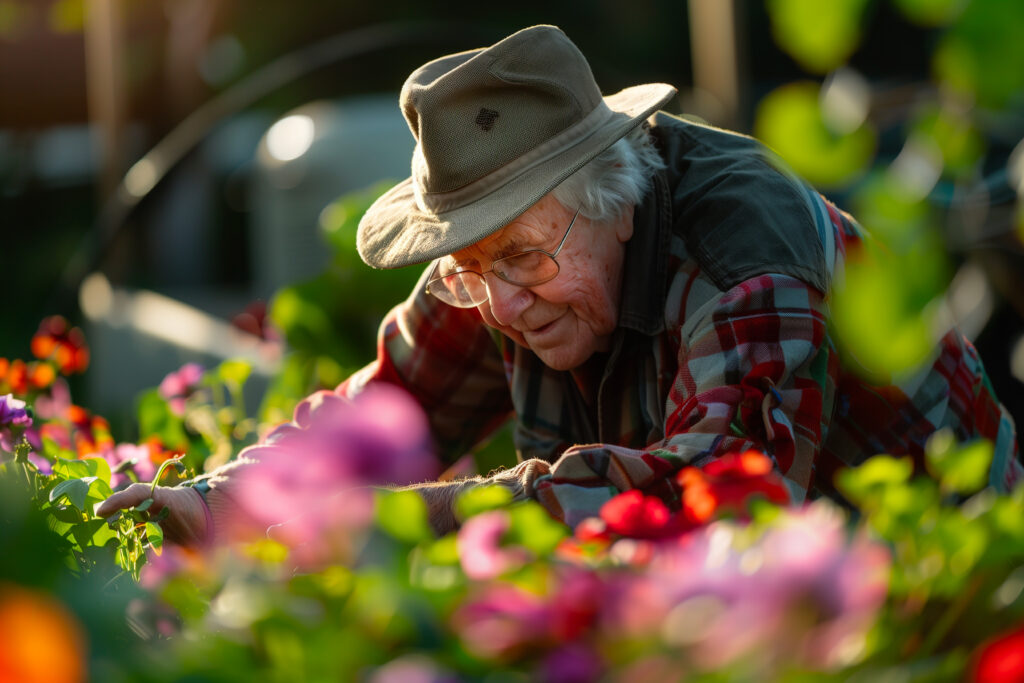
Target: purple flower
x: 14, y: 420
x: 13, y: 412
x: 178, y: 386
x: 572, y: 663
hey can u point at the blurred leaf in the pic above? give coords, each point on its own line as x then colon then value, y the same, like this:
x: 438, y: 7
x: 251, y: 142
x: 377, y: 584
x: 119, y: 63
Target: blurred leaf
x: 156, y: 418
x: 75, y: 489
x: 402, y: 514
x: 533, y: 528
x: 300, y: 317
x: 959, y: 468
x: 931, y: 12
x: 144, y: 505
x: 874, y: 474
x: 955, y: 136
x: 480, y: 499
x: 790, y: 121
x: 882, y: 334
x: 982, y: 53
x: 234, y: 372
x: 444, y: 551
x: 819, y: 35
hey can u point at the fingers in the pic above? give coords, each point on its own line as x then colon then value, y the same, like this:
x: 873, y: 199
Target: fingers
x: 122, y: 500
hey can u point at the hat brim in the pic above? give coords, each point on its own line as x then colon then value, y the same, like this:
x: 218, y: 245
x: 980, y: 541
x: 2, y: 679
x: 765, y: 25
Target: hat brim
x: 395, y: 232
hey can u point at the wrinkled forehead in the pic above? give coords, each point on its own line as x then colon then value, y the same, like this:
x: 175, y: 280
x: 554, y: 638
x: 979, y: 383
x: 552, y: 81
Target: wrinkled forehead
x: 514, y: 237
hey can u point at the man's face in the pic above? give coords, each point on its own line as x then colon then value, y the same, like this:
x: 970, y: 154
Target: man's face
x: 565, y: 320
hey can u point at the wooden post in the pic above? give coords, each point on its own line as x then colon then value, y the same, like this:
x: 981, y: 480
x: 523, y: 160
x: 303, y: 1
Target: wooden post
x: 715, y: 53
x: 105, y: 84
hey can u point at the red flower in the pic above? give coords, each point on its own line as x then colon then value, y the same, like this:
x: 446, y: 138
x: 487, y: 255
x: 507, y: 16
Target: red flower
x: 64, y: 345
x: 728, y: 484
x: 635, y: 515
x: 1001, y: 659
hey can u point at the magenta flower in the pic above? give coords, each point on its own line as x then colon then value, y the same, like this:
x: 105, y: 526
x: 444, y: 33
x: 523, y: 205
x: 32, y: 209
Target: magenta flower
x: 480, y: 551
x: 503, y: 622
x: 179, y: 385
x: 310, y: 476
x: 125, y: 456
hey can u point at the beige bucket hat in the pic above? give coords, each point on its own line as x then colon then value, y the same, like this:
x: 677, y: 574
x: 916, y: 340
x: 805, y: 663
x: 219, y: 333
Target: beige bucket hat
x: 496, y: 129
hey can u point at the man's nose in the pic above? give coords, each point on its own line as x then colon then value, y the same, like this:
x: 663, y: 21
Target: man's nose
x: 507, y: 301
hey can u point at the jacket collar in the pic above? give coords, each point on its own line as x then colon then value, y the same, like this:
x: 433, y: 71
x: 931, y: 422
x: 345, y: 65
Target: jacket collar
x: 642, y: 307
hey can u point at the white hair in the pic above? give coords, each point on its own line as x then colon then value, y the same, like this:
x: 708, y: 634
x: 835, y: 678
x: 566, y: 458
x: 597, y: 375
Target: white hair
x: 613, y: 181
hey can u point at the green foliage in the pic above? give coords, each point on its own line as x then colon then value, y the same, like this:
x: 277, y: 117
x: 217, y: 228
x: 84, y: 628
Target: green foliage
x: 790, y: 121
x: 330, y: 321
x: 819, y: 35
x: 403, y: 514
x: 480, y: 499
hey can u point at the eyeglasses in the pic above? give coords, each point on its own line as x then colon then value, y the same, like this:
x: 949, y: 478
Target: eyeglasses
x: 464, y: 288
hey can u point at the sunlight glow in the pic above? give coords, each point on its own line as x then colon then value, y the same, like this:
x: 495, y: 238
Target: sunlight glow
x: 291, y: 137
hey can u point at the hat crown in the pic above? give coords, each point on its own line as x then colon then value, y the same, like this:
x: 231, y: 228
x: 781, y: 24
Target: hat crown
x: 474, y: 112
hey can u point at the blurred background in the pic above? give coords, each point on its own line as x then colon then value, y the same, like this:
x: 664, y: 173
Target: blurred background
x: 182, y: 178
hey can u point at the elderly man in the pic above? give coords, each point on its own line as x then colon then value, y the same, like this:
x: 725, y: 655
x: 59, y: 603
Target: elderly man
x: 639, y: 292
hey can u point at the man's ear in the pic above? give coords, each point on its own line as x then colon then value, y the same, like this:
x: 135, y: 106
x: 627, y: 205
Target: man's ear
x: 624, y: 225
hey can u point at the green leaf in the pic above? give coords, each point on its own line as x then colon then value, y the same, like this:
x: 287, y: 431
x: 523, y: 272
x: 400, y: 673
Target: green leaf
x: 75, y: 489
x: 156, y: 418
x: 931, y: 12
x: 819, y: 35
x: 155, y: 535
x: 790, y: 121
x: 444, y: 551
x: 960, y: 469
x: 235, y: 371
x: 874, y: 475
x: 103, y: 535
x: 402, y: 514
x: 71, y: 469
x: 98, y: 467
x: 144, y: 505
x: 533, y: 528
x: 480, y: 499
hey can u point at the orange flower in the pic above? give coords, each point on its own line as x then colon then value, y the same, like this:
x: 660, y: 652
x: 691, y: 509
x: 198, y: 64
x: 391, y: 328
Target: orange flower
x: 40, y: 642
x: 64, y: 345
x: 41, y: 375
x: 727, y: 485
x: 13, y: 377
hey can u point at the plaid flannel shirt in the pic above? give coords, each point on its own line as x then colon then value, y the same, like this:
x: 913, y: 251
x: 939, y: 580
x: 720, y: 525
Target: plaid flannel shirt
x: 716, y: 351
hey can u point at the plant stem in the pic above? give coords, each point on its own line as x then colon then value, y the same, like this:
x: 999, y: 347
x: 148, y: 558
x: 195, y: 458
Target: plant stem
x: 950, y: 617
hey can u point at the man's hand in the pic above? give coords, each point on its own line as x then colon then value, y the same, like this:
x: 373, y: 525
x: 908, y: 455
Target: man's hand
x: 188, y: 522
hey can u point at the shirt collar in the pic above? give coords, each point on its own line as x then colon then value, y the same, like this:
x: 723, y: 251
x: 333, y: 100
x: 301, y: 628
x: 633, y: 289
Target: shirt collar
x: 642, y: 307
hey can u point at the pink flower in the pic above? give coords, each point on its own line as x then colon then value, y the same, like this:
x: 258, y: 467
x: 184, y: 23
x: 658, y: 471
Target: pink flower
x: 178, y: 386
x: 310, y: 475
x: 480, y: 551
x: 503, y: 622
x: 724, y: 601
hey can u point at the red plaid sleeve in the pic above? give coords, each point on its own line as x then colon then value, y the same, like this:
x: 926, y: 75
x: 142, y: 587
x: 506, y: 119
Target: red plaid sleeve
x: 752, y: 374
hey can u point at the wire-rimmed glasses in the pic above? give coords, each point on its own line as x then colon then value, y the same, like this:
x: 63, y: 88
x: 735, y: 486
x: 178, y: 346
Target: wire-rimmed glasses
x: 467, y: 288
